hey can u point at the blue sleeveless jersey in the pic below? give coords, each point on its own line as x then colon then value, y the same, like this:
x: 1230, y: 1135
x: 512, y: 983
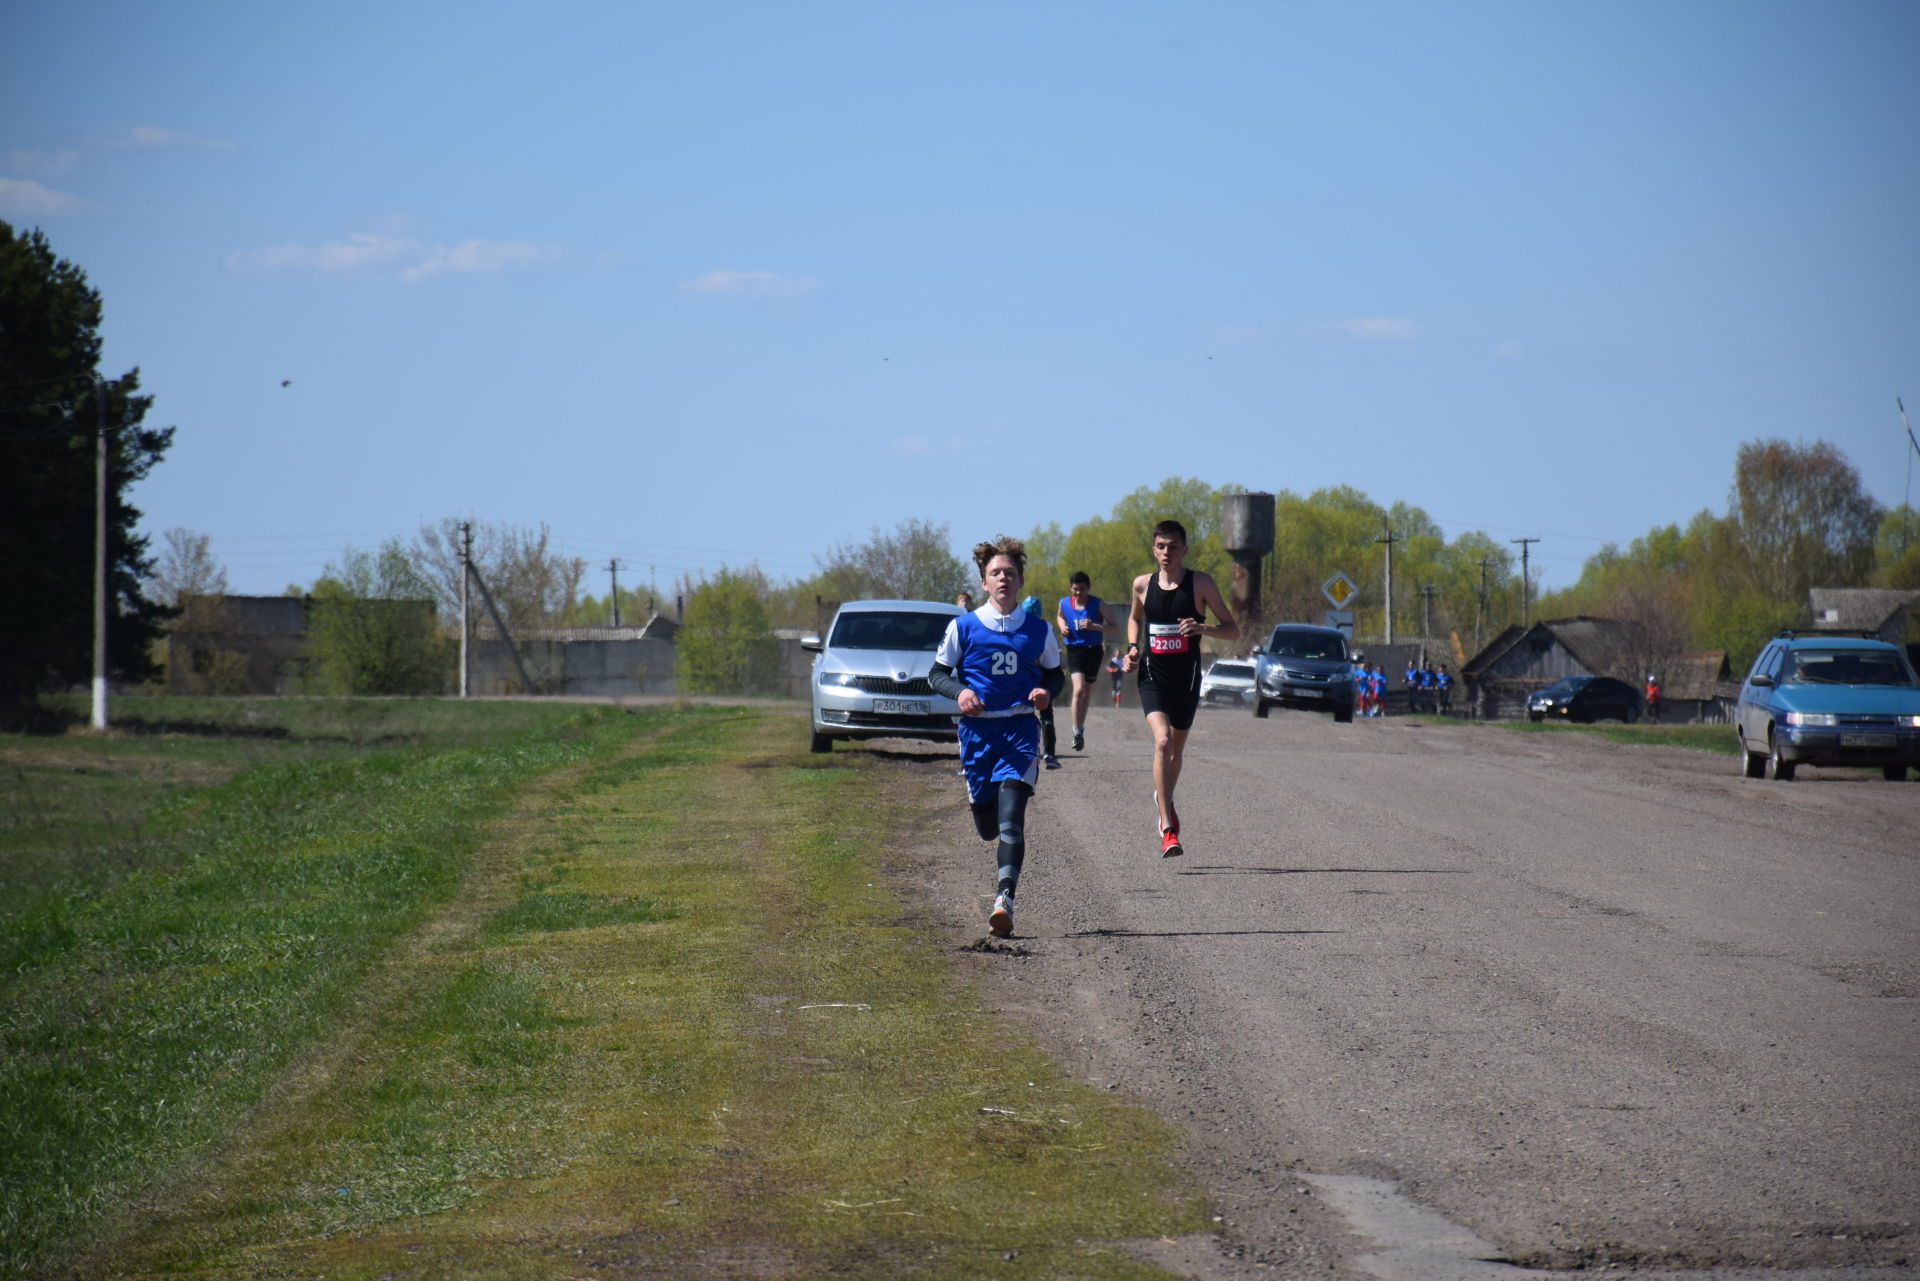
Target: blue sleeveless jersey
x: 1002, y: 667
x: 1075, y: 636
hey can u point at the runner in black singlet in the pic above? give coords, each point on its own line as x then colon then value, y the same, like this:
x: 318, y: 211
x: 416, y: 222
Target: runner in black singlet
x: 1164, y: 629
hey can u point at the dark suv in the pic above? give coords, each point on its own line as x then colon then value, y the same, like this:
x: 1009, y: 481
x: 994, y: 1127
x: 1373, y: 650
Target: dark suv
x: 1829, y: 698
x: 1303, y: 666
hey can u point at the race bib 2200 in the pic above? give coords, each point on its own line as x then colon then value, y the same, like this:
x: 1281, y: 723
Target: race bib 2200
x: 1165, y: 638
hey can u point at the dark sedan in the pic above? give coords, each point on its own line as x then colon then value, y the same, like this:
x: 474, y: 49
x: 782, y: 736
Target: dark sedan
x: 1585, y: 698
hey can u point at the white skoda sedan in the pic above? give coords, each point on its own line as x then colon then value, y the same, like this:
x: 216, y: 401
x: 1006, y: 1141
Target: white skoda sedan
x: 870, y: 673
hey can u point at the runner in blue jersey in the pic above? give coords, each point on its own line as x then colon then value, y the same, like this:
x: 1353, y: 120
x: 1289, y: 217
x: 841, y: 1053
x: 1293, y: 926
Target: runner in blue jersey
x: 1082, y: 621
x: 1047, y: 737
x: 1001, y: 665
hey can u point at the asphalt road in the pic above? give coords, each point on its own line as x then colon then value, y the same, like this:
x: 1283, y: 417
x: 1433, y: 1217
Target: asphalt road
x: 1563, y: 1002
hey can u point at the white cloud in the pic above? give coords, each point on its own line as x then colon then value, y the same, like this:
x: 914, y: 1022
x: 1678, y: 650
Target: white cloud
x: 45, y: 164
x: 911, y: 444
x: 479, y: 256
x: 414, y: 260
x: 1509, y: 351
x: 750, y: 284
x: 154, y: 136
x: 1372, y: 328
x: 25, y: 198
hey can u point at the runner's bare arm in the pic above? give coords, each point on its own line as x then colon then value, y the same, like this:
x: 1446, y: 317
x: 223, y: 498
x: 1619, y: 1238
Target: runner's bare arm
x: 1206, y: 595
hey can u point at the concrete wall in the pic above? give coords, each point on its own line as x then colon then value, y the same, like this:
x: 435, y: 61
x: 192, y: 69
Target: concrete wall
x: 598, y: 668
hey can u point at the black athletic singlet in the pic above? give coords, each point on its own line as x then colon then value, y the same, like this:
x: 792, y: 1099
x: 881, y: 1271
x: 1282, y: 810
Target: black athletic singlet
x: 1171, y: 661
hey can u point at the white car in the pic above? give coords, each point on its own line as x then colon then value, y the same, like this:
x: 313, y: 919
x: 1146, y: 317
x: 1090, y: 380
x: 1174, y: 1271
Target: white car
x: 870, y: 673
x: 1229, y: 681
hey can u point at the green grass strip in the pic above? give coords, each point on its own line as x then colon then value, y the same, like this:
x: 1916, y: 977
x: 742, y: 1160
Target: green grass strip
x: 676, y: 1024
x: 1719, y: 739
x: 137, y: 1021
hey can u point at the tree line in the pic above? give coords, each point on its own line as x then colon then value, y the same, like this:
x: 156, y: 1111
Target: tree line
x: 1796, y: 517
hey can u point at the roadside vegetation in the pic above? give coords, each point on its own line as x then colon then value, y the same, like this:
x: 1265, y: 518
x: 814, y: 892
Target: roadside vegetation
x: 1706, y: 738
x: 428, y: 989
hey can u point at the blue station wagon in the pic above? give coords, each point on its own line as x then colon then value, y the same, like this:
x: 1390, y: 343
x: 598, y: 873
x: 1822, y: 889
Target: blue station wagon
x: 1829, y: 698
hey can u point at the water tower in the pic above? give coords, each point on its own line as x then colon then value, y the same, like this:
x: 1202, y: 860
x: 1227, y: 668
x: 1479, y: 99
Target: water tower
x: 1246, y: 534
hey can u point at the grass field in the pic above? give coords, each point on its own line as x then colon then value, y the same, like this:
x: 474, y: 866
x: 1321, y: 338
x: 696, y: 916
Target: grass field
x: 1706, y: 738
x: 432, y: 989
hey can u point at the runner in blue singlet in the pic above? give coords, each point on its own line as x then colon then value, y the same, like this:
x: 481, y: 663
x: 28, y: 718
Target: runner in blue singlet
x: 1083, y: 633
x: 1001, y: 664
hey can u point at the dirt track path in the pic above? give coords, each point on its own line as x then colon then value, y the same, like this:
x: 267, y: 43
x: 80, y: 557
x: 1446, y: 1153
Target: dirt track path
x: 1592, y: 1003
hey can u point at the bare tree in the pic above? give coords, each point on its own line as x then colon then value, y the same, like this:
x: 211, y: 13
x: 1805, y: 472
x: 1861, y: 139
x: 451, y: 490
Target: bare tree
x: 914, y: 562
x: 184, y: 568
x: 1653, y: 613
x: 531, y: 583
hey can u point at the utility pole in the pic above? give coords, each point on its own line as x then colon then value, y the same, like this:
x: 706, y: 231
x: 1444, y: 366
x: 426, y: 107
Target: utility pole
x: 1389, y: 538
x: 1480, y: 615
x: 613, y: 568
x: 1427, y: 592
x: 100, y: 558
x: 466, y: 577
x: 1906, y: 499
x: 1526, y: 583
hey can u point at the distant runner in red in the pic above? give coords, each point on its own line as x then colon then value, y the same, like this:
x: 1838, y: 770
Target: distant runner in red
x: 1170, y: 607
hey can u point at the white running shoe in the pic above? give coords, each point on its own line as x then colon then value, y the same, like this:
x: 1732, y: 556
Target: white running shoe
x: 1053, y: 762
x: 1079, y: 740
x: 1000, y: 920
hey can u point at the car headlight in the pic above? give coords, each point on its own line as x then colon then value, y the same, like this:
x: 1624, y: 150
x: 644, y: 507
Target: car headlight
x: 1827, y: 719
x: 839, y: 678
x: 1907, y: 722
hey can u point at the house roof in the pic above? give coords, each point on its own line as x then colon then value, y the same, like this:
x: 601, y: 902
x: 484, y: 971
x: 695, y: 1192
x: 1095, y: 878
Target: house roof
x: 1589, y: 640
x: 1693, y: 676
x: 1859, y: 608
x: 1495, y: 649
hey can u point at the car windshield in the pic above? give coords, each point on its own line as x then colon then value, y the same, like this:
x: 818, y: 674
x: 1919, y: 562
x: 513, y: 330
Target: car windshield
x: 1235, y: 668
x: 1298, y: 644
x: 1846, y: 667
x: 889, y: 629
x: 1564, y: 686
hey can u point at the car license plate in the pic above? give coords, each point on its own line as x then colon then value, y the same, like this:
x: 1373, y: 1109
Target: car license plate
x: 1298, y: 692
x: 1866, y: 740
x: 899, y: 707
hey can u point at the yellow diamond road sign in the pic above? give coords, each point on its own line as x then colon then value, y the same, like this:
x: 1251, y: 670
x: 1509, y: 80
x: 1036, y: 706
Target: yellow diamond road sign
x: 1339, y: 589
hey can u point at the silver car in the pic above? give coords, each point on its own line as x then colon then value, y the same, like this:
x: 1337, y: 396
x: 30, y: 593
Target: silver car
x: 870, y: 673
x: 1229, y: 681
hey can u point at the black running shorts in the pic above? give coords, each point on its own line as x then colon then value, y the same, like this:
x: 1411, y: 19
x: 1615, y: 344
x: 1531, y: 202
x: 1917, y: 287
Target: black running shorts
x: 1179, y: 705
x: 1084, y: 659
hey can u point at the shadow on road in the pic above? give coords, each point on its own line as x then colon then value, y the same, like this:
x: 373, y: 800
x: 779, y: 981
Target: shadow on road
x: 1226, y: 870
x: 1182, y: 934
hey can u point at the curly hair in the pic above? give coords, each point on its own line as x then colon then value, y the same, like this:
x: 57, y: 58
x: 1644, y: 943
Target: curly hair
x: 1001, y: 546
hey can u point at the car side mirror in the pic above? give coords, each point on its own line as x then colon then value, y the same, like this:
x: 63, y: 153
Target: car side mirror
x: 810, y: 643
x: 1761, y: 682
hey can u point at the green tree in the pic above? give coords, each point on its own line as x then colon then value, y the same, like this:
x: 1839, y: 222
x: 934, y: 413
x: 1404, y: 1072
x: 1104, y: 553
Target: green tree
x: 1801, y: 518
x: 49, y: 417
x: 725, y: 644
x: 372, y: 629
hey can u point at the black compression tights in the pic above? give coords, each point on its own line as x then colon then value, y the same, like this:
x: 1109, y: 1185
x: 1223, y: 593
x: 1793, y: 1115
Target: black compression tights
x: 1002, y: 812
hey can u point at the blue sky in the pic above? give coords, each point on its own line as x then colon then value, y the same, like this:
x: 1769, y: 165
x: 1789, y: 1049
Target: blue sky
x: 703, y: 284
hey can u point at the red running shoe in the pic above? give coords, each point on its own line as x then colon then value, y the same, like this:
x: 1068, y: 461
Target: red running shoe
x: 1170, y: 846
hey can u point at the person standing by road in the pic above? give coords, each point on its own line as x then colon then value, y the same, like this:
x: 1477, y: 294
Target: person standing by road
x: 1082, y: 621
x: 1443, y: 688
x: 1653, y: 698
x: 1001, y: 664
x: 1169, y: 611
x: 1118, y: 670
